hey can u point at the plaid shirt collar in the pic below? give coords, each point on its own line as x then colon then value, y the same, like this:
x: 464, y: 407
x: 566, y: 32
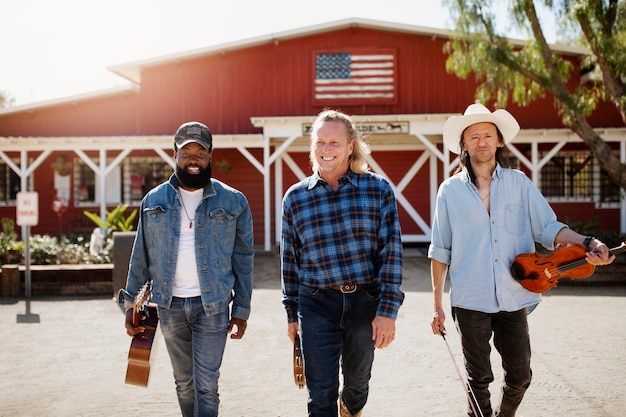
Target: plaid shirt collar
x: 349, y: 177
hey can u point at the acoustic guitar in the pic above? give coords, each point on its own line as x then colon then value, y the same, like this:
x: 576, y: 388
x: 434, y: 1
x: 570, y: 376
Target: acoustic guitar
x: 138, y: 370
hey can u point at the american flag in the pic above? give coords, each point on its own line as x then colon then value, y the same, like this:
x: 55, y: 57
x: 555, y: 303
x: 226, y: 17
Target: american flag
x: 348, y: 76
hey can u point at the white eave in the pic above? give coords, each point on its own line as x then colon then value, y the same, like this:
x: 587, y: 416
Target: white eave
x: 129, y: 88
x: 93, y: 143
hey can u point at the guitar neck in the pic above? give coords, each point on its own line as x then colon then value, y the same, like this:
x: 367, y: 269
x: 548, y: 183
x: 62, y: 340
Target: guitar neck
x: 140, y: 300
x: 135, y: 315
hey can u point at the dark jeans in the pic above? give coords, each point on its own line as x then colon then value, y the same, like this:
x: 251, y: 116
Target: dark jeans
x: 337, y: 327
x: 511, y: 339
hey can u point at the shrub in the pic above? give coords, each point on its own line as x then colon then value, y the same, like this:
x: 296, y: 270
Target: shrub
x: 589, y: 228
x: 115, y: 220
x: 10, y: 248
x: 49, y: 250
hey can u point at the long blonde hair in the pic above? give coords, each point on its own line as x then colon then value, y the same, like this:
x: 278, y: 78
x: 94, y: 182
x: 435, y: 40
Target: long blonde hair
x: 358, y: 158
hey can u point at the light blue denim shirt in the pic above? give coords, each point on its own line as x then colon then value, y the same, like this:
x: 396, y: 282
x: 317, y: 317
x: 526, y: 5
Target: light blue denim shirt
x: 479, y: 246
x: 223, y: 240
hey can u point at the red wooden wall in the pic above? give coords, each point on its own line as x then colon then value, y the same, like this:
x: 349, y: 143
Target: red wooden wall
x: 224, y: 90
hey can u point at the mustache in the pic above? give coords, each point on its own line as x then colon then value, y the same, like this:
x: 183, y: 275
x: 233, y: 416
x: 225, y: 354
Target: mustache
x: 194, y: 181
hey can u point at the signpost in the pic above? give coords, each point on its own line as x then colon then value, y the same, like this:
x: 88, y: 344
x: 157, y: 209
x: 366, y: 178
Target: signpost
x: 27, y: 215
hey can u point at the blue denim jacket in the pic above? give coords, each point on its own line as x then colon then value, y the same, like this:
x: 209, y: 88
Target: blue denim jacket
x: 224, y: 248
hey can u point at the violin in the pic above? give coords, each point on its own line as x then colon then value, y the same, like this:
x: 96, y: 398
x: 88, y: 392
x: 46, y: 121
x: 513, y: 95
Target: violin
x: 539, y: 273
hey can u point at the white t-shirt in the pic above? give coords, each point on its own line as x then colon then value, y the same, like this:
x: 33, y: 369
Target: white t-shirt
x: 186, y: 279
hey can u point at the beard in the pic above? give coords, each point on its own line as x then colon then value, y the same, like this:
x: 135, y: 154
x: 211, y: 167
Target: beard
x: 194, y: 181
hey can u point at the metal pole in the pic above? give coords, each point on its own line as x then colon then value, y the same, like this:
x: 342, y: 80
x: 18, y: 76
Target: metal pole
x: 28, y: 317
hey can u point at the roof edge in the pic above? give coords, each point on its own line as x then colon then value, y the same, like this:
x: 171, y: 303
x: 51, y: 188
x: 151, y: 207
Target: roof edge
x: 130, y: 88
x: 132, y: 70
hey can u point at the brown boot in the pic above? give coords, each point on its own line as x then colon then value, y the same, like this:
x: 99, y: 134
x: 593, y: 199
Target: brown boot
x: 344, y: 412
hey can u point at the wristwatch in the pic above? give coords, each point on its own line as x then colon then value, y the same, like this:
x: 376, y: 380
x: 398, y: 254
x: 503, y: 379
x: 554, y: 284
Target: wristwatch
x: 588, y: 240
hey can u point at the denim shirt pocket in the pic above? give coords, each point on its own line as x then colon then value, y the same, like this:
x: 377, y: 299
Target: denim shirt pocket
x: 515, y: 223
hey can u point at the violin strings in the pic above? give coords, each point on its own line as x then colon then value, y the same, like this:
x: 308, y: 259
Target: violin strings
x: 581, y: 261
x: 568, y: 265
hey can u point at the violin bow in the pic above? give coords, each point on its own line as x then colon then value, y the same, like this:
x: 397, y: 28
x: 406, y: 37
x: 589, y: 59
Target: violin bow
x: 467, y: 388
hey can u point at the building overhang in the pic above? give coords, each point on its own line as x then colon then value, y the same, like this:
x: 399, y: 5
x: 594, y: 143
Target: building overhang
x: 92, y: 143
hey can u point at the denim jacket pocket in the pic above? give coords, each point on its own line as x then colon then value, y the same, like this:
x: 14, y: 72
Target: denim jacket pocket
x: 159, y: 222
x: 224, y: 224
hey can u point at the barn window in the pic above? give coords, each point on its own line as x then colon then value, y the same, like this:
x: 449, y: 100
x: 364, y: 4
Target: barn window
x: 142, y: 174
x: 9, y: 184
x: 87, y: 185
x: 609, y: 191
x: 577, y: 176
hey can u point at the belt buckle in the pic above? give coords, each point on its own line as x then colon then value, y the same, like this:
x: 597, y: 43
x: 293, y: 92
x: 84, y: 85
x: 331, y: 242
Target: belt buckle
x: 348, y: 288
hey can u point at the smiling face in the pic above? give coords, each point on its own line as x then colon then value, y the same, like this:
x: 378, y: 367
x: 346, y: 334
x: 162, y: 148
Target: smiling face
x: 332, y: 150
x: 193, y: 167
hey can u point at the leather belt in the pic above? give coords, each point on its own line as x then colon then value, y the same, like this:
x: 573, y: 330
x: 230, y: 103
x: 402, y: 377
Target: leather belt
x: 347, y: 288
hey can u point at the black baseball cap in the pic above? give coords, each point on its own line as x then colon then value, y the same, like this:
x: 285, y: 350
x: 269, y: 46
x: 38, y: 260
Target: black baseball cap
x: 193, y: 132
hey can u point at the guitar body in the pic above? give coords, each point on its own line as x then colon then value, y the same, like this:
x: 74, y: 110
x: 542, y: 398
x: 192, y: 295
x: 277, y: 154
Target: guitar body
x: 138, y: 370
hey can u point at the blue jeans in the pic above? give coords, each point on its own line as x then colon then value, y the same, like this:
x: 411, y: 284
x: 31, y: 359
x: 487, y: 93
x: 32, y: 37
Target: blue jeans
x: 511, y: 339
x: 195, y: 343
x: 337, y: 327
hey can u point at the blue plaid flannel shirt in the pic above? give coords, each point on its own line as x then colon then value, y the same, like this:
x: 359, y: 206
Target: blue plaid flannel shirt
x: 350, y: 235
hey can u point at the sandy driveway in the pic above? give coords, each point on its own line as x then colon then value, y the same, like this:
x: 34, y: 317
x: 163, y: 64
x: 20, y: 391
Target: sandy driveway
x: 73, y: 362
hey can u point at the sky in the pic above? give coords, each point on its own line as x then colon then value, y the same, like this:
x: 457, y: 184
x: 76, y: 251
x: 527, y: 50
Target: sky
x: 51, y: 49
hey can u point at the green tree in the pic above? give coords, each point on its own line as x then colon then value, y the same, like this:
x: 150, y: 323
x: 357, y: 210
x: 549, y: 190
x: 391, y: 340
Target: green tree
x: 524, y: 71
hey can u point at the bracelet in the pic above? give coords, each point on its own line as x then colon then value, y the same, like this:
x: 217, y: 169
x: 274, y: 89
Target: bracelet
x: 588, y: 240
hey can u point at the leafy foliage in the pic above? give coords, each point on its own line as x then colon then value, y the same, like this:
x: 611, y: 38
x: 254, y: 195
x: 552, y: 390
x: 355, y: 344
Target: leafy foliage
x: 523, y: 71
x: 10, y: 249
x: 115, y: 220
x: 589, y: 228
x: 49, y: 250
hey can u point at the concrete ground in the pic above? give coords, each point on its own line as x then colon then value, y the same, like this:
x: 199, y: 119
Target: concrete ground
x: 68, y: 357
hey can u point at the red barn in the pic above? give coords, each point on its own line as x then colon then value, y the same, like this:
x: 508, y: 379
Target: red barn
x: 259, y: 96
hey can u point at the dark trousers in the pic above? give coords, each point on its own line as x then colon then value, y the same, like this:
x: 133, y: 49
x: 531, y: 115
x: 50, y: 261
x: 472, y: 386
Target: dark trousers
x: 336, y: 329
x: 511, y: 339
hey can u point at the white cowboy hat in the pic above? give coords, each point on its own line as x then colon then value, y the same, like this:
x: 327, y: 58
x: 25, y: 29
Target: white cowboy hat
x: 477, y: 113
